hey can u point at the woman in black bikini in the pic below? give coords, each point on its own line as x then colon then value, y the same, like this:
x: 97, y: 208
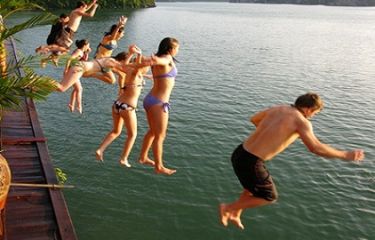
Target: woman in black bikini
x: 123, y: 111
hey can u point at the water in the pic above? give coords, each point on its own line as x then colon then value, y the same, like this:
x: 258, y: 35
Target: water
x: 235, y: 59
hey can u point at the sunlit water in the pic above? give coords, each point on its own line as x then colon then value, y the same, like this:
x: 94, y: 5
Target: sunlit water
x: 235, y: 59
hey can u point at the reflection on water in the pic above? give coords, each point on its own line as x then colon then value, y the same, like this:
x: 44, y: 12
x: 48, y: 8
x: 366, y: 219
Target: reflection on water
x: 235, y: 59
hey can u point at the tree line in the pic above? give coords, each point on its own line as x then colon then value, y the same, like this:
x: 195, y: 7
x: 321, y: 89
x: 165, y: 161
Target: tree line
x: 315, y: 2
x: 109, y: 4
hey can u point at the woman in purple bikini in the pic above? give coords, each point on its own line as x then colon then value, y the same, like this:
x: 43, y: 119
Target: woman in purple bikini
x: 156, y: 104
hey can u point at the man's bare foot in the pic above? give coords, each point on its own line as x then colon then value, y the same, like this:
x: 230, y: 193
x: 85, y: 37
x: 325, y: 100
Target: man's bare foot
x: 125, y: 163
x: 79, y: 108
x: 99, y: 155
x: 224, y: 216
x: 164, y: 170
x: 236, y: 221
x: 147, y: 161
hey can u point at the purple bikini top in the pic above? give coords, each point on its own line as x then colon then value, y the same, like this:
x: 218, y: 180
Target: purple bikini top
x: 171, y: 74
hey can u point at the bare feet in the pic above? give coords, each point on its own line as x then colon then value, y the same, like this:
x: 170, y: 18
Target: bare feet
x: 147, y: 161
x: 164, y: 170
x: 71, y: 107
x: 99, y: 155
x: 224, y: 216
x: 236, y: 221
x: 43, y: 63
x: 125, y: 163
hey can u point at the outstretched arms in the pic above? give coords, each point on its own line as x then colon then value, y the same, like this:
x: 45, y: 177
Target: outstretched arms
x: 121, y: 23
x: 306, y: 133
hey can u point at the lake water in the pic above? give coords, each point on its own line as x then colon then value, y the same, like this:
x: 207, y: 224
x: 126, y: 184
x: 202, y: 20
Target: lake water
x: 235, y: 59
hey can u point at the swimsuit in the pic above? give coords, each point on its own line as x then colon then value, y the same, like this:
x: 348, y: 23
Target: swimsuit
x: 54, y: 33
x: 103, y: 69
x: 66, y: 38
x: 120, y: 106
x: 253, y: 175
x: 109, y: 46
x: 171, y: 74
x: 84, y: 57
x: 150, y: 100
x: 133, y: 85
x: 79, y: 64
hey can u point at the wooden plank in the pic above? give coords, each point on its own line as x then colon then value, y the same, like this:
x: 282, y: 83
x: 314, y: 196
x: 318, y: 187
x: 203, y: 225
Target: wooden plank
x: 62, y: 216
x: 22, y: 140
x: 31, y: 213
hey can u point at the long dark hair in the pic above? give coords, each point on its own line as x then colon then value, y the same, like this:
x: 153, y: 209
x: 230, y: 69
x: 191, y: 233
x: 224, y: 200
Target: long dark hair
x: 166, y: 45
x: 81, y: 43
x: 113, y: 28
x: 121, y: 56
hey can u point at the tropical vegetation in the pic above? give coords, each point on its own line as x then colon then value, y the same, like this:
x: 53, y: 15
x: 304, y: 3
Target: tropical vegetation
x: 15, y: 84
x: 60, y: 4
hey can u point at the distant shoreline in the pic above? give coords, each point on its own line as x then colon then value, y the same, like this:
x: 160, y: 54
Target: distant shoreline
x: 344, y: 3
x: 347, y: 3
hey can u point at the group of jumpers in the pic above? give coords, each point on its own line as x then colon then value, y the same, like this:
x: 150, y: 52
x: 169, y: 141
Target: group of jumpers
x: 276, y: 127
x: 128, y: 69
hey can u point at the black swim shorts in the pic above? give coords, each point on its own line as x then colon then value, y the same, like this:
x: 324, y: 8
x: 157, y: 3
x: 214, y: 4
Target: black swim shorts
x: 253, y: 174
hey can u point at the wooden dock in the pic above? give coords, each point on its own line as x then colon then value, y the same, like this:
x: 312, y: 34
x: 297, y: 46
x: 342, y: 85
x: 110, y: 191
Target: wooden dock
x: 31, y: 213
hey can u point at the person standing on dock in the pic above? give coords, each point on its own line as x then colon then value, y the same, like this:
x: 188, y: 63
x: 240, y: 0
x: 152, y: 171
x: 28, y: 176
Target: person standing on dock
x: 276, y: 128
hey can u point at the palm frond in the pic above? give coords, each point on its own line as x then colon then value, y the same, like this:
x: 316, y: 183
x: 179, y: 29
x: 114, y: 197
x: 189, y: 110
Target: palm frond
x: 32, y: 85
x: 41, y: 19
x: 9, y: 7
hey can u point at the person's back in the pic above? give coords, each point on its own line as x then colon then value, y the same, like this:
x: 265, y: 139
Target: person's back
x: 56, y: 29
x: 80, y: 11
x: 276, y: 129
x: 75, y: 19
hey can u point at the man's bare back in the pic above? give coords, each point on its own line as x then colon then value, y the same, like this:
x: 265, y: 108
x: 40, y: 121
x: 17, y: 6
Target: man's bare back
x: 276, y: 129
x: 77, y: 14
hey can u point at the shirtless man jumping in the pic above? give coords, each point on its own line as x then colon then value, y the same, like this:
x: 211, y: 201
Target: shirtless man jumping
x: 75, y: 17
x: 276, y: 128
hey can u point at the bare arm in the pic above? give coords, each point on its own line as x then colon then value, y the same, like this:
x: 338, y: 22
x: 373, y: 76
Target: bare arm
x: 121, y: 23
x: 92, y: 11
x: 315, y: 146
x: 91, y: 4
x: 155, y: 60
x: 258, y: 117
x: 75, y: 55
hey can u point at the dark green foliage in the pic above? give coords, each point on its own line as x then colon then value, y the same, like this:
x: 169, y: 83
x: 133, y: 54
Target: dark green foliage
x: 70, y: 4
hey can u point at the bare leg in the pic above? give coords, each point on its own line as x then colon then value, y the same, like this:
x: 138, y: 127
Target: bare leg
x: 130, y: 118
x: 232, y: 211
x: 108, y: 77
x: 118, y: 123
x: 72, y: 101
x: 146, y: 145
x: 74, y: 97
x: 159, y: 124
x: 73, y: 75
x: 79, y: 91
